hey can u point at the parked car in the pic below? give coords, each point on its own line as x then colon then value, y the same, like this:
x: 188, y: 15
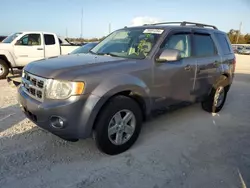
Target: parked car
x: 109, y: 92
x: 19, y: 49
x: 84, y: 48
x: 245, y: 50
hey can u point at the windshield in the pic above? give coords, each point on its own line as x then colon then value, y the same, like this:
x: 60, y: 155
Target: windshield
x: 129, y: 43
x: 84, y: 49
x: 10, y: 38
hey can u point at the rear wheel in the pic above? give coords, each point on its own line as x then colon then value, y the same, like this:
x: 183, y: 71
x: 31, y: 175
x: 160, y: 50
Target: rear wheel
x: 118, y: 125
x: 4, y: 69
x: 215, y: 101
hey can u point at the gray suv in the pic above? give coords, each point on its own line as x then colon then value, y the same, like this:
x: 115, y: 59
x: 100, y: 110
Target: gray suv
x: 134, y: 71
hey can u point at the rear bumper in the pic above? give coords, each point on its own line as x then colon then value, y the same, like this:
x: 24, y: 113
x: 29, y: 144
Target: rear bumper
x: 76, y: 123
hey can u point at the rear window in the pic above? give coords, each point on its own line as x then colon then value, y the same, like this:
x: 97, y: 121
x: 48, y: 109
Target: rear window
x: 49, y: 39
x: 223, y: 42
x: 203, y: 45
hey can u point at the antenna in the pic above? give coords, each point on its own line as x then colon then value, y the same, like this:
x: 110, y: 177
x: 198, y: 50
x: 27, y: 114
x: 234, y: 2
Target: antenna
x: 81, y: 22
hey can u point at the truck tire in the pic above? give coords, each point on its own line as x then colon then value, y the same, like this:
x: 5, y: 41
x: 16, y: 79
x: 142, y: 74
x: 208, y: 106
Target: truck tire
x: 215, y: 101
x: 4, y: 69
x: 118, y: 125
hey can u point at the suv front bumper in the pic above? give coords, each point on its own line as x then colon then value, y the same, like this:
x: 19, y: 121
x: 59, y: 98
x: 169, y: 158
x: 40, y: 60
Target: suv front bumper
x: 71, y: 111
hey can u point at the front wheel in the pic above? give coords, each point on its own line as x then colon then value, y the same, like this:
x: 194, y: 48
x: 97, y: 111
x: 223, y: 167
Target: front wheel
x: 4, y: 69
x: 118, y: 126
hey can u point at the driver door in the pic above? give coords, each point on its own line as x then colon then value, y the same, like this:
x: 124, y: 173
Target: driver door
x: 29, y: 48
x: 174, y: 80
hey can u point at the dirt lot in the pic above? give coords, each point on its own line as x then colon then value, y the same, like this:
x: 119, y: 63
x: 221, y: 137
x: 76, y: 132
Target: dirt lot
x: 185, y: 148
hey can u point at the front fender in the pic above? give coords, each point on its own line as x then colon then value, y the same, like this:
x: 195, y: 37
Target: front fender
x: 104, y: 91
x: 9, y: 57
x: 122, y: 82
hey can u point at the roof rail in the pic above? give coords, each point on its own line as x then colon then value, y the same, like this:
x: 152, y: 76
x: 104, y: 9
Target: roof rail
x: 184, y: 23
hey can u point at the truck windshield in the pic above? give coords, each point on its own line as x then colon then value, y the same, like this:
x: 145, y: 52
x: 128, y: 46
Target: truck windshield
x: 134, y: 43
x: 10, y: 38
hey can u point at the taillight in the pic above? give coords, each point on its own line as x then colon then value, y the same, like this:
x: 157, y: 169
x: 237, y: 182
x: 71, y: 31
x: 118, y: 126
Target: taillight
x: 234, y: 61
x: 234, y: 64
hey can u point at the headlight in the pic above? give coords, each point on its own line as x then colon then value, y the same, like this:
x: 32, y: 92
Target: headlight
x: 56, y: 89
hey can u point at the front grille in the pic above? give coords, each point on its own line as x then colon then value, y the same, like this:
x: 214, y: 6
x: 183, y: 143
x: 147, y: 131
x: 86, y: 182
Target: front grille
x: 34, y: 86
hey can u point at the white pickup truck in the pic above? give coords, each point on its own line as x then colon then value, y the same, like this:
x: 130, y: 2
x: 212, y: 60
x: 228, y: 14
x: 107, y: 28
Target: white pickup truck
x: 19, y: 49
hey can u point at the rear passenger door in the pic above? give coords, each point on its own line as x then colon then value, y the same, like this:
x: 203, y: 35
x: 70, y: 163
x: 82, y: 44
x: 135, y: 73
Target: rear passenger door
x: 52, y: 47
x: 207, y: 60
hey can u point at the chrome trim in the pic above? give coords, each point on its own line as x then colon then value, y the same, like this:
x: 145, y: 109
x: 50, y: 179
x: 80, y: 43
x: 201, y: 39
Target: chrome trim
x: 28, y: 83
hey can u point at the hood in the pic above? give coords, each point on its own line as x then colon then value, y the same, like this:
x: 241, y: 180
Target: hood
x: 5, y: 46
x: 65, y: 66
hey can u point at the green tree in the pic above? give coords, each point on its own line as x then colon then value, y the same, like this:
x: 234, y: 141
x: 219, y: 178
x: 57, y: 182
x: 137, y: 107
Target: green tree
x: 247, y: 38
x: 234, y: 34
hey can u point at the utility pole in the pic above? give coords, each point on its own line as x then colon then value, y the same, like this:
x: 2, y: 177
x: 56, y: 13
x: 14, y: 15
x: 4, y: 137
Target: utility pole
x: 238, y: 36
x: 109, y: 28
x: 81, y: 22
x: 66, y: 32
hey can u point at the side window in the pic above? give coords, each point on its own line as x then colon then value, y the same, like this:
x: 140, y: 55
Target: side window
x: 30, y: 40
x: 49, y: 39
x: 181, y: 42
x: 203, y: 45
x: 222, y: 40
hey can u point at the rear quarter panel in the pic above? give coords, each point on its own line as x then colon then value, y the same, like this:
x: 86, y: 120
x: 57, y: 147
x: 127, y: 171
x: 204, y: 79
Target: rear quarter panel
x: 227, y: 59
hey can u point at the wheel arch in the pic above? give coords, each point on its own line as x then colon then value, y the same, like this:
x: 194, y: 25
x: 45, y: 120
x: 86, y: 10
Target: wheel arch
x: 127, y: 86
x: 4, y: 58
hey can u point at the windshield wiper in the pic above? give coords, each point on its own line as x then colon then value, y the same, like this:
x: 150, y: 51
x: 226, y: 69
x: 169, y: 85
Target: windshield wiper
x: 110, y: 54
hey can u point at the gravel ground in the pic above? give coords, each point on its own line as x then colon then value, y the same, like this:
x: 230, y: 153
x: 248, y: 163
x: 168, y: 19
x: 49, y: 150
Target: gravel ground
x: 184, y: 148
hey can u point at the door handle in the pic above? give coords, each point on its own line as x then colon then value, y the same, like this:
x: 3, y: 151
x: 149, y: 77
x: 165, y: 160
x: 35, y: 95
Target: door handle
x: 39, y: 48
x: 187, y: 67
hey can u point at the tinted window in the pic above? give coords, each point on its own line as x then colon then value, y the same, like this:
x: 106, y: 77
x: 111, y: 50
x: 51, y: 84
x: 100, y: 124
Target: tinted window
x: 30, y: 39
x: 223, y: 43
x: 203, y: 45
x: 49, y: 39
x: 179, y: 42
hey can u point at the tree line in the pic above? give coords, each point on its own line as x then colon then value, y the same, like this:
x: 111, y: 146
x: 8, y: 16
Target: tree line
x: 83, y: 40
x: 238, y: 38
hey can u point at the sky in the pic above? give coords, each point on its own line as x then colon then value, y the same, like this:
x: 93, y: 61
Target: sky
x: 63, y: 17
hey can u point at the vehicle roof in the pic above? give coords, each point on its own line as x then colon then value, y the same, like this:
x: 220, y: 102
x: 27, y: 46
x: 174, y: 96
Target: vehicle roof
x: 45, y: 32
x: 169, y: 27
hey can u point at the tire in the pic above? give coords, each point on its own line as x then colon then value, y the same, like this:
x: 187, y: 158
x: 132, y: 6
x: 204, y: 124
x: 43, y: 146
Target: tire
x: 209, y: 104
x: 123, y: 105
x: 4, y: 69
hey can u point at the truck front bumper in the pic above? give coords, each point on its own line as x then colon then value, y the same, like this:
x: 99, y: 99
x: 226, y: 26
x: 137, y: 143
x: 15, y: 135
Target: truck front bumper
x: 68, y: 119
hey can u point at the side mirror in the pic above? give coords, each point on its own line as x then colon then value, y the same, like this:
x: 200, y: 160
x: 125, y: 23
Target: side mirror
x: 169, y: 55
x: 18, y: 42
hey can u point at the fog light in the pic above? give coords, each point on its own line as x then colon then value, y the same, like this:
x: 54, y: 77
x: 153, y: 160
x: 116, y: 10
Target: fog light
x: 57, y: 122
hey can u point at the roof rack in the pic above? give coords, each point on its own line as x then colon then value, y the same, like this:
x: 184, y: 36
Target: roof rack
x: 184, y: 23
